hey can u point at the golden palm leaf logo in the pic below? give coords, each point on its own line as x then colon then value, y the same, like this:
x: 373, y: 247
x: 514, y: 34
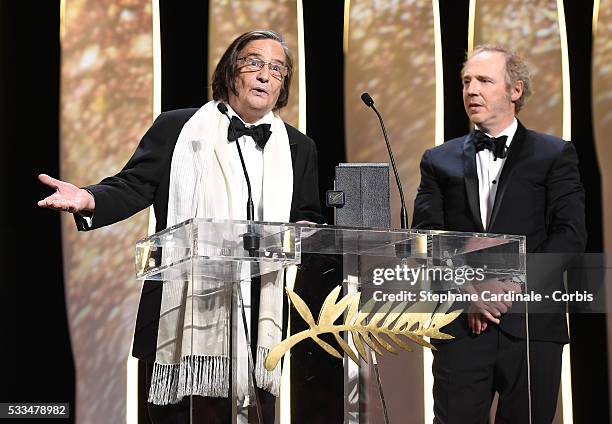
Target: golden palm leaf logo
x: 393, y: 320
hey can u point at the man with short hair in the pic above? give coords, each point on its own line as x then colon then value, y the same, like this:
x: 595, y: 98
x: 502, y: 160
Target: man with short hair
x: 187, y: 166
x: 501, y: 178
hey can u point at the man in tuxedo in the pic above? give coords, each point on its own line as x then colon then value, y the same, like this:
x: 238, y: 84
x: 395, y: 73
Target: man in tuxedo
x: 501, y: 178
x: 252, y: 81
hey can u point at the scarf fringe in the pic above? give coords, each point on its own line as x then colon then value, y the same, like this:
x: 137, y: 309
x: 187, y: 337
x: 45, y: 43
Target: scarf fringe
x: 194, y: 375
x: 267, y: 380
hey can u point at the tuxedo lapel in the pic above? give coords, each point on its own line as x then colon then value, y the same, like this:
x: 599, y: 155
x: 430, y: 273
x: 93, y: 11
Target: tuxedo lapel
x: 509, y: 166
x: 470, y: 178
x: 292, y: 146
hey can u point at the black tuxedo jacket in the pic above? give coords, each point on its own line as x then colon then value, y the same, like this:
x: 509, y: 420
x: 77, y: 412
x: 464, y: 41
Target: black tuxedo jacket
x: 539, y: 195
x: 145, y: 180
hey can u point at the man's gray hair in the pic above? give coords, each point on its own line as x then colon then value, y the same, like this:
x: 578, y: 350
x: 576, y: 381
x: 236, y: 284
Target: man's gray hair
x: 516, y: 70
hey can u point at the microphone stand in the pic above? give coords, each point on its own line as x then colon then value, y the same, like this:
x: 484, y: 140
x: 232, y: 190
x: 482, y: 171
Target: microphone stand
x: 369, y: 102
x: 402, y: 250
x: 250, y: 243
x: 250, y: 239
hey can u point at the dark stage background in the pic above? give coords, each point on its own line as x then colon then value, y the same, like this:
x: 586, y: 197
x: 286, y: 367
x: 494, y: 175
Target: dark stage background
x: 36, y: 356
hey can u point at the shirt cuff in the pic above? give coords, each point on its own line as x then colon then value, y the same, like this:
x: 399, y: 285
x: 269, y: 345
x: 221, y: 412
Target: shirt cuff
x: 87, y: 218
x: 84, y: 220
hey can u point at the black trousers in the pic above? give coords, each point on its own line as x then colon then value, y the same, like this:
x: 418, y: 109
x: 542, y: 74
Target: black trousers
x: 469, y: 370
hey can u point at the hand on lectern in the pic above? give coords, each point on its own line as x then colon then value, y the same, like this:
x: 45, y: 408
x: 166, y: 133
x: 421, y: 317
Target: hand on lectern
x: 67, y: 197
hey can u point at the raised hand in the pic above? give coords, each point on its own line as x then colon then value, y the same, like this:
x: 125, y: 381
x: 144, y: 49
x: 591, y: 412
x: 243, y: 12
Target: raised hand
x: 67, y: 197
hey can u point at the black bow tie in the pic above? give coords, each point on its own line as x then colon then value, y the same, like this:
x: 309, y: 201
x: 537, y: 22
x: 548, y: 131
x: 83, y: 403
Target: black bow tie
x: 495, y: 145
x: 260, y: 133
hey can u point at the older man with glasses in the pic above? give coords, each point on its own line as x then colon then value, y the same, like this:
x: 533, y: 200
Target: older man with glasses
x: 186, y: 165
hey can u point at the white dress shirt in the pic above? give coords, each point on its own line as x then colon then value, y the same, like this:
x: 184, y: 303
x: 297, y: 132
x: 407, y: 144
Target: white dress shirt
x: 489, y: 171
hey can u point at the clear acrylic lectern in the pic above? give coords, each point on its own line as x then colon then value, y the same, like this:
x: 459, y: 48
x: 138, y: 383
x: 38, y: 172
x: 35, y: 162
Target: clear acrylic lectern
x: 385, y: 292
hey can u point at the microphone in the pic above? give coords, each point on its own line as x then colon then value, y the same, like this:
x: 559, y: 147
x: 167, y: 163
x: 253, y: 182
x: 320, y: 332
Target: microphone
x: 369, y: 102
x: 222, y: 107
x: 250, y: 238
x: 250, y: 208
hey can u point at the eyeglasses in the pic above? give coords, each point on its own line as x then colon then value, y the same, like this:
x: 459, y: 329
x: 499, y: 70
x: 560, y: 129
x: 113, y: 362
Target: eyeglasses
x: 277, y: 70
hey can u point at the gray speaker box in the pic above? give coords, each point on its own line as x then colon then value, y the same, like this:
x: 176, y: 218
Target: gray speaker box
x: 365, y: 187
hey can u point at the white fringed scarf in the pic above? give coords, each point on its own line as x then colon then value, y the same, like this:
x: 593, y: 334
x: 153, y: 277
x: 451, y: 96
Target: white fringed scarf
x: 198, y: 362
